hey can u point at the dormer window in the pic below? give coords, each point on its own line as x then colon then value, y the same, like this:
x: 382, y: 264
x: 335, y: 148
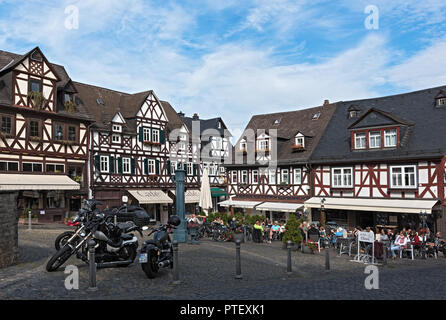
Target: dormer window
x: 35, y: 85
x: 263, y: 144
x: 390, y: 138
x: 219, y: 125
x: 117, y: 128
x: 441, y: 101
x: 353, y: 114
x: 375, y: 139
x: 316, y: 116
x: 243, y: 145
x: 68, y: 97
x: 277, y: 121
x: 360, y: 140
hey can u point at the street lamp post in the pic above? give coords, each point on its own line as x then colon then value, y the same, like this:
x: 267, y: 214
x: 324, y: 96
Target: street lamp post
x: 180, y: 233
x: 423, y: 217
x: 323, y: 213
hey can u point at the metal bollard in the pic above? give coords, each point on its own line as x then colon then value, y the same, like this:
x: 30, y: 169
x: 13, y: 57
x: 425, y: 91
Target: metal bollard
x: 289, y: 267
x: 92, y: 265
x: 384, y: 254
x: 176, y: 270
x: 238, y: 266
x: 29, y: 221
x: 327, y: 260
x: 116, y: 219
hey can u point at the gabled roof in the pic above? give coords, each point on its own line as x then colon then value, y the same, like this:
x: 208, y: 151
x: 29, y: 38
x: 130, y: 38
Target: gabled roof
x: 291, y: 123
x: 206, y: 124
x: 375, y: 117
x: 422, y: 135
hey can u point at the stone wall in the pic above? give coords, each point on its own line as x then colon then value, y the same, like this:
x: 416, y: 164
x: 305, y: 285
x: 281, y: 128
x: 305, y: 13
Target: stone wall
x: 9, y: 217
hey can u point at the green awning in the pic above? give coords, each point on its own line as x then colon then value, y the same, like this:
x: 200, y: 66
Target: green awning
x: 218, y: 192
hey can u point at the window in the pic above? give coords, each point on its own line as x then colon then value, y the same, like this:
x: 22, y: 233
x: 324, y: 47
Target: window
x: 218, y: 143
x: 441, y: 101
x: 6, y: 124
x: 255, y: 176
x: 35, y: 85
x: 244, y: 177
x: 390, y: 138
x: 234, y: 177
x: 58, y: 131
x: 183, y: 137
x: 263, y: 145
x: 9, y: 166
x: 300, y: 142
x: 68, y: 97
x: 272, y: 176
x: 190, y: 169
x: 34, y: 128
x: 181, y: 146
x: 116, y: 138
x: 155, y: 135
x: 58, y: 168
x: 219, y: 125
x: 32, y: 167
x: 146, y: 134
x: 277, y: 121
x: 104, y: 163
x: 243, y: 145
x: 222, y: 169
x: 375, y: 139
x: 403, y: 177
x: 151, y: 166
x: 360, y: 140
x: 126, y: 167
x: 316, y: 116
x: 72, y: 133
x: 173, y: 166
x: 297, y: 176
x: 117, y: 128
x: 342, y: 177
x: 285, y: 177
x: 55, y: 199
x: 212, y: 169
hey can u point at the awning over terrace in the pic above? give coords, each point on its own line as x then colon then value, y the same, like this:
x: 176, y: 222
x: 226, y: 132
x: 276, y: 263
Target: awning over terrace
x: 11, y: 182
x: 150, y: 196
x: 379, y: 205
x: 279, y: 206
x: 239, y: 204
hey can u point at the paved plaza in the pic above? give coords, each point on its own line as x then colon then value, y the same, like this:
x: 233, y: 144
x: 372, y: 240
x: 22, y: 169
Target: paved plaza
x: 207, y: 271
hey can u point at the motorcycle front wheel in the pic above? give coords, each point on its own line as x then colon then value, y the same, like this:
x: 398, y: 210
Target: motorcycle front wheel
x: 151, y: 267
x: 62, y: 239
x: 59, y: 259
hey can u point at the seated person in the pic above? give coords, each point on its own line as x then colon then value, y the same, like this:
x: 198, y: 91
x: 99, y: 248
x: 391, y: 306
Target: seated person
x: 399, y: 244
x: 259, y: 228
x: 275, y: 229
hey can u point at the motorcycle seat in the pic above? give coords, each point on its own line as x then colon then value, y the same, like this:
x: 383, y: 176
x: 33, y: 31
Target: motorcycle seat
x: 125, y: 225
x: 154, y: 242
x: 126, y: 236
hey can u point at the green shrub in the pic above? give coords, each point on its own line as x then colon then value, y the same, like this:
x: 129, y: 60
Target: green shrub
x: 292, y: 231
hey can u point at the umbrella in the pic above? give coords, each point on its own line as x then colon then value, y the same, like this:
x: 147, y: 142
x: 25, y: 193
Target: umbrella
x: 205, y: 192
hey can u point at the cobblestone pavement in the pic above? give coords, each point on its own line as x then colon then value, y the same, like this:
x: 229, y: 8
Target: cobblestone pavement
x: 207, y: 271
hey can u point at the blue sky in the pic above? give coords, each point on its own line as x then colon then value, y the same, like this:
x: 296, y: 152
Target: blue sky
x: 237, y: 58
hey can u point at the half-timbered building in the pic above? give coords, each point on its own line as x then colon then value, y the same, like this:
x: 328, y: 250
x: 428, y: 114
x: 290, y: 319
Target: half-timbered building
x: 131, y: 150
x: 215, y: 149
x: 270, y: 173
x: 44, y: 136
x: 380, y: 162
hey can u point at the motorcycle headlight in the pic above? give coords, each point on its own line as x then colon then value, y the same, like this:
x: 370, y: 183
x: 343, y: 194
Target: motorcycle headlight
x: 82, y: 234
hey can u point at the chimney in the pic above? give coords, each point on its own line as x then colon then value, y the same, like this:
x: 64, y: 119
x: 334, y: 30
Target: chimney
x: 181, y: 114
x: 326, y: 102
x: 195, y: 117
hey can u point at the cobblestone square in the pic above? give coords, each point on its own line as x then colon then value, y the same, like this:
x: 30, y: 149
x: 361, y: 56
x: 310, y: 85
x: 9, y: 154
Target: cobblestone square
x: 207, y: 271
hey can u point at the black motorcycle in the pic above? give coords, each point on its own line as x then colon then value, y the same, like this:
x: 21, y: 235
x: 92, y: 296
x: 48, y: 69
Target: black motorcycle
x: 157, y: 253
x: 114, y: 245
x: 205, y: 230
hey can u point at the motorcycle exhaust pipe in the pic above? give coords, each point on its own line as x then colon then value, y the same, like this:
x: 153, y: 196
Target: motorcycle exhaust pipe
x: 164, y: 264
x: 113, y: 264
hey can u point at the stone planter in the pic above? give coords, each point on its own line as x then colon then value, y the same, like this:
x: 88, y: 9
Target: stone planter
x: 307, y: 249
x: 294, y: 246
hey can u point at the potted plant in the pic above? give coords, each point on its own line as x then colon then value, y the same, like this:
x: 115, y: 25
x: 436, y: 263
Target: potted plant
x: 70, y: 106
x: 237, y: 233
x: 309, y: 247
x: 37, y: 99
x: 292, y: 232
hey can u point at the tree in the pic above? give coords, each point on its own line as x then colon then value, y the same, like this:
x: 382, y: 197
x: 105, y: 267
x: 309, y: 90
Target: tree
x: 292, y: 231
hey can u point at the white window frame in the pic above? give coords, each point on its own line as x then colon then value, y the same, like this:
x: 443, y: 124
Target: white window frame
x: 390, y: 133
x: 441, y: 101
x: 403, y: 174
x: 297, y: 176
x: 104, y: 164
x: 181, y: 146
x: 151, y: 163
x: 263, y: 144
x: 116, y: 138
x: 342, y: 177
x: 173, y: 167
x: 126, y: 166
x: 360, y: 136
x: 302, y: 141
x: 373, y: 135
x: 244, y: 177
x: 222, y: 169
x: 117, y: 128
x: 233, y: 177
x: 156, y: 135
x: 272, y: 176
x: 146, y: 134
x: 255, y: 174
x: 212, y: 169
x: 218, y: 143
x: 243, y: 145
x: 285, y: 173
x: 190, y: 168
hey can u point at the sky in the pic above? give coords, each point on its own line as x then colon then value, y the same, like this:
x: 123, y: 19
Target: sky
x: 234, y: 59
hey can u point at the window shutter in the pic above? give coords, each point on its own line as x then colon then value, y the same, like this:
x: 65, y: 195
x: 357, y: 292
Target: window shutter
x: 97, y: 162
x: 141, y: 132
x: 157, y: 167
x: 195, y: 169
x: 162, y: 137
x: 111, y: 163
x: 169, y: 171
x: 185, y: 167
x: 146, y: 166
x: 132, y: 165
x: 120, y: 165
